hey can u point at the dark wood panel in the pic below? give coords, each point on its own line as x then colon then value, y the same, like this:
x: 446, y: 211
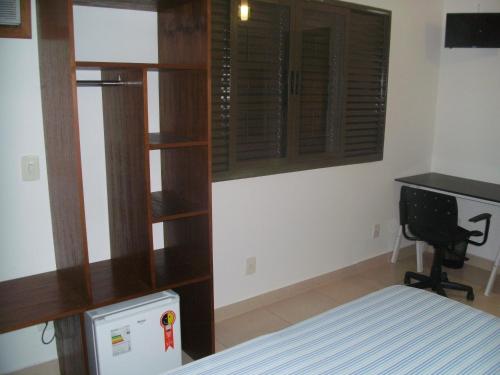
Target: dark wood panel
x: 183, y: 103
x: 169, y: 205
x: 182, y: 32
x: 164, y: 140
x: 61, y: 134
x: 118, y: 279
x: 71, y: 351
x: 197, y: 319
x: 39, y: 298
x: 123, y: 109
x: 185, y: 173
x: 147, y: 178
x: 181, y: 265
x: 456, y: 185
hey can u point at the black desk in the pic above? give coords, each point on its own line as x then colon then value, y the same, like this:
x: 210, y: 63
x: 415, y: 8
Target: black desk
x: 484, y: 192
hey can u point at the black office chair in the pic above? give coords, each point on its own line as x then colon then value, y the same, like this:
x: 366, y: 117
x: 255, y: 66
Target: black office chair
x: 433, y: 217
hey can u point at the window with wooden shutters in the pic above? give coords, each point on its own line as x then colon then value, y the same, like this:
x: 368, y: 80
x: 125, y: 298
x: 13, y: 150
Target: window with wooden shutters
x: 320, y: 67
x: 221, y: 85
x: 368, y: 58
x: 259, y: 82
x: 300, y: 85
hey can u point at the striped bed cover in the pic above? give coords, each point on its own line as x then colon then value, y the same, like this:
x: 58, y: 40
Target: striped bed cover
x: 397, y: 330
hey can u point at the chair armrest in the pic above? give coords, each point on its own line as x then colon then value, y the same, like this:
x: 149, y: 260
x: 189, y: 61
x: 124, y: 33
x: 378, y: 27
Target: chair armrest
x: 482, y: 217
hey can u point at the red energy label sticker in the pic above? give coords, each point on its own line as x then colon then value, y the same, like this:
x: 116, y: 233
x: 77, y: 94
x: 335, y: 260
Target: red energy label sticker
x: 167, y: 322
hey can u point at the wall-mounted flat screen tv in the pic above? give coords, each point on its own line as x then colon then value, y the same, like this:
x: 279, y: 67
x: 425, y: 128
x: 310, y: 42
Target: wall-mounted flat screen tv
x: 469, y: 30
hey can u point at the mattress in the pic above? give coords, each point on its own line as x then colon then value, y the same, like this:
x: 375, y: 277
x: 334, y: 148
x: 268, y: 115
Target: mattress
x: 397, y: 330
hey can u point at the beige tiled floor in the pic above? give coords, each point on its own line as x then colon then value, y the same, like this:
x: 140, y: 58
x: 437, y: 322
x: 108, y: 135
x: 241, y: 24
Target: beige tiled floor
x: 358, y: 282
x: 354, y: 282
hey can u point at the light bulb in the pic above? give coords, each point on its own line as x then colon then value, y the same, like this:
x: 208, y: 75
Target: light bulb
x: 244, y: 11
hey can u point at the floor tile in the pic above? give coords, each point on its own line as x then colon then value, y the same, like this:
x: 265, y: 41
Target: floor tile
x: 47, y: 368
x: 301, y: 307
x: 390, y: 274
x: 219, y: 347
x: 349, y: 288
x: 490, y: 304
x: 247, y: 326
x: 186, y: 359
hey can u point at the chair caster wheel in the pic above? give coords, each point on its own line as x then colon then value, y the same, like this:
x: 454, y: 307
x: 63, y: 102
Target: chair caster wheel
x: 470, y: 296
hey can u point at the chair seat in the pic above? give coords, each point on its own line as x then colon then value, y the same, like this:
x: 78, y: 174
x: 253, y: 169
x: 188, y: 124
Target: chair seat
x: 440, y: 236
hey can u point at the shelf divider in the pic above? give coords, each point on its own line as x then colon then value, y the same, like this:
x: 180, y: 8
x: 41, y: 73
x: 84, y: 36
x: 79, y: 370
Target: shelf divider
x: 168, y: 205
x: 158, y: 141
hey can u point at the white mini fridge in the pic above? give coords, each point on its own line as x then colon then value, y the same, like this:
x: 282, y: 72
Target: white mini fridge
x: 139, y: 336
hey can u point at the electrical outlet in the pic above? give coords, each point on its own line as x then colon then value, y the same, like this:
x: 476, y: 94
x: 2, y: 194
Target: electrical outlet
x: 376, y: 231
x: 251, y: 266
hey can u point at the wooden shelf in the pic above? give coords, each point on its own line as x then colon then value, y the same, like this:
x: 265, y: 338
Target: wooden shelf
x: 177, y: 267
x: 39, y: 298
x: 168, y: 205
x: 147, y: 66
x: 114, y: 280
x: 159, y: 141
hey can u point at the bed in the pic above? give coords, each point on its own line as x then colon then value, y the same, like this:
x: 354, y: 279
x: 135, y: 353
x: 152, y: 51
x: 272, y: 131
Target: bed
x: 397, y: 330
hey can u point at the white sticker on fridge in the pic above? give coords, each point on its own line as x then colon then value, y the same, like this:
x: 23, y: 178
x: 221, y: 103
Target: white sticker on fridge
x: 120, y: 340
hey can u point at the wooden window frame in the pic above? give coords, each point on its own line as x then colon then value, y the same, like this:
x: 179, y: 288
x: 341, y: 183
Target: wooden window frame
x: 293, y: 162
x: 23, y: 31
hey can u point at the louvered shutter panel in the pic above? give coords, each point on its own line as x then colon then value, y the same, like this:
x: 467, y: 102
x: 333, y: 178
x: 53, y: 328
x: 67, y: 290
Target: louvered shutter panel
x: 321, y: 68
x: 221, y: 84
x: 259, y: 82
x: 10, y: 12
x: 366, y: 95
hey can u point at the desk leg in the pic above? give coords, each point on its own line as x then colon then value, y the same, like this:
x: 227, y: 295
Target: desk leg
x: 493, y: 275
x: 420, y: 245
x: 397, y: 243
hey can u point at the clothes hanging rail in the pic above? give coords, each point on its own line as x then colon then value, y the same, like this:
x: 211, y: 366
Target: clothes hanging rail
x: 88, y: 83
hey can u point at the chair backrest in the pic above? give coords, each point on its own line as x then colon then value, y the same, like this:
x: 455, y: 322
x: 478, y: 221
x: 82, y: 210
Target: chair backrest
x: 425, y: 208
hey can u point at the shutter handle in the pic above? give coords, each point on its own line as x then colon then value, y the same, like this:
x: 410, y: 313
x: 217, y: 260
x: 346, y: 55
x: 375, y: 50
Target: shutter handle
x: 298, y: 78
x: 292, y: 82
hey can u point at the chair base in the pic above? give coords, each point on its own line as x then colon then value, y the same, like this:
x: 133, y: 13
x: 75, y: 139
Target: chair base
x: 438, y: 282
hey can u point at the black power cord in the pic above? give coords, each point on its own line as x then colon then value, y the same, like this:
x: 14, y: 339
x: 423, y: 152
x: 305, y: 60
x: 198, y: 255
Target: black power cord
x: 43, y: 335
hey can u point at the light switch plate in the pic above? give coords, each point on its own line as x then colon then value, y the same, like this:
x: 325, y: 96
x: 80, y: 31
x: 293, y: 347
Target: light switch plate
x: 30, y: 168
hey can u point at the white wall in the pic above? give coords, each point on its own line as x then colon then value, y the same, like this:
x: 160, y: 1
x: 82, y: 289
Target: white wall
x: 25, y: 223
x: 467, y: 134
x: 299, y: 225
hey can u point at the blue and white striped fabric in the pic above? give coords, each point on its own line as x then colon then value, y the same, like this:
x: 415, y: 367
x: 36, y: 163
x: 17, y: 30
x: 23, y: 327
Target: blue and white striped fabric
x: 397, y: 330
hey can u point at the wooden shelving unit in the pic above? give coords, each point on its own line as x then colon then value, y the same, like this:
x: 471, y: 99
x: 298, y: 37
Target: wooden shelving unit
x: 183, y: 205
